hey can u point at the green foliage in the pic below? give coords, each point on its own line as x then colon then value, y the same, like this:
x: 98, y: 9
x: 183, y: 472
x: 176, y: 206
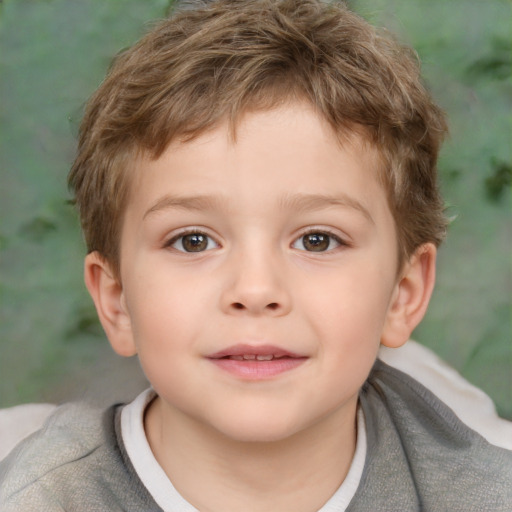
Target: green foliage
x: 496, y: 64
x: 53, y: 53
x: 37, y: 229
x: 83, y: 322
x: 499, y: 180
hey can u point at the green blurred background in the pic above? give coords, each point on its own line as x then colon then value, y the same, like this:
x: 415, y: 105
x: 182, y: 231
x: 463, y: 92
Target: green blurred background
x: 54, y: 53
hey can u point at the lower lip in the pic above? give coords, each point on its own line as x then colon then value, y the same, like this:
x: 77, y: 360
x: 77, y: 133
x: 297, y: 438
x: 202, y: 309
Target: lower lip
x: 258, y: 370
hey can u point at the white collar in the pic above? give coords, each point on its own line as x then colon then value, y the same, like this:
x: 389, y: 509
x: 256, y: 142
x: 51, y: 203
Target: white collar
x: 170, y: 500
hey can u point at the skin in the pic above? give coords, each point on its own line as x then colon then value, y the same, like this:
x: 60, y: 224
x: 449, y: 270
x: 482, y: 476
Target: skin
x: 227, y: 442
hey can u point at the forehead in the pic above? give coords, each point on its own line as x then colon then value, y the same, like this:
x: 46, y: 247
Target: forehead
x: 287, y: 151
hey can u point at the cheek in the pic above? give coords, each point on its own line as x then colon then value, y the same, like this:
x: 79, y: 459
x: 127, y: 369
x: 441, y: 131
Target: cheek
x: 161, y: 311
x: 349, y: 317
x: 351, y: 298
x: 163, y: 338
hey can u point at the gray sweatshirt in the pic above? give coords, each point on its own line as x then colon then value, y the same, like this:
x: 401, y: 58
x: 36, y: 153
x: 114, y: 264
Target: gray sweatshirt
x: 420, y: 457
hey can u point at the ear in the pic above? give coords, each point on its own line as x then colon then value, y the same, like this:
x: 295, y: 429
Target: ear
x: 410, y: 297
x: 107, y: 293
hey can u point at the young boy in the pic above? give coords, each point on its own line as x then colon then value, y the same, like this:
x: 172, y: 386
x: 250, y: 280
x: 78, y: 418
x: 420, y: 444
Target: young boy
x: 257, y: 188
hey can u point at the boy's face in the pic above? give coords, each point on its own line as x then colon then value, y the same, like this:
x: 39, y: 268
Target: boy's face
x: 279, y: 244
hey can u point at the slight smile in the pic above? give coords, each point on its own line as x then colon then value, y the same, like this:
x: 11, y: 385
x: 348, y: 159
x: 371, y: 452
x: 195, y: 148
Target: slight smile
x: 256, y: 362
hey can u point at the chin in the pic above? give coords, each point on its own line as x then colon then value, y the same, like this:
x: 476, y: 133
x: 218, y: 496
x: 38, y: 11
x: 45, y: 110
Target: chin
x: 262, y: 430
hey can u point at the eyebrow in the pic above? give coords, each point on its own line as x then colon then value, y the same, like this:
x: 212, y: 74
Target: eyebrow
x: 199, y: 203
x: 311, y: 202
x: 296, y: 202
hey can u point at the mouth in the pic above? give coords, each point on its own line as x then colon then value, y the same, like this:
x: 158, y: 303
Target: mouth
x: 255, y: 357
x: 256, y: 362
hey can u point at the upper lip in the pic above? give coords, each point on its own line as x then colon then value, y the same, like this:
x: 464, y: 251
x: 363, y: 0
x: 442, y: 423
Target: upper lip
x: 256, y: 350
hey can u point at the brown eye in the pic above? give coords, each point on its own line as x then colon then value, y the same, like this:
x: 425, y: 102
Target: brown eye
x: 317, y: 242
x: 193, y: 242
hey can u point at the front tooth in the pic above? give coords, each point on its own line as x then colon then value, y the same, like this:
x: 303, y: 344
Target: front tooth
x: 268, y: 357
x: 237, y: 358
x: 249, y: 357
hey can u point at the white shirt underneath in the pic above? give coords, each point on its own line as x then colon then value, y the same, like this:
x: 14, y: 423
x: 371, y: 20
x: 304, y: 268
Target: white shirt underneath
x: 170, y: 500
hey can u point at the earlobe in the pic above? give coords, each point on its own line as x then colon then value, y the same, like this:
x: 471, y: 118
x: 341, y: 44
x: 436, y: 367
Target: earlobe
x: 107, y: 293
x: 411, y: 297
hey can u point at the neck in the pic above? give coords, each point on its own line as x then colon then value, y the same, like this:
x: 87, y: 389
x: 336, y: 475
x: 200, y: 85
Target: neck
x: 216, y: 473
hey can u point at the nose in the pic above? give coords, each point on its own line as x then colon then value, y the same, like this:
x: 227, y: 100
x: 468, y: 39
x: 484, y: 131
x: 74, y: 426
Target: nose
x: 256, y: 285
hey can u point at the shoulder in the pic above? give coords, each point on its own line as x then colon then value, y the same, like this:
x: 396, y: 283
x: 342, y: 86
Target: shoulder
x: 417, y: 444
x: 19, y: 421
x: 72, y: 442
x: 468, y: 402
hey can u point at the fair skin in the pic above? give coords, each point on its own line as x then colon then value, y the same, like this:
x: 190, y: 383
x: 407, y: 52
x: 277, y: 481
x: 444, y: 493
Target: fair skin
x: 280, y: 243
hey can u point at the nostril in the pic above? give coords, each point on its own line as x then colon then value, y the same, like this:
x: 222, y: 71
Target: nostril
x: 272, y: 306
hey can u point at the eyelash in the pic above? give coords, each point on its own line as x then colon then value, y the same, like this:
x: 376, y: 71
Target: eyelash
x: 331, y: 237
x: 189, y: 232
x: 326, y: 232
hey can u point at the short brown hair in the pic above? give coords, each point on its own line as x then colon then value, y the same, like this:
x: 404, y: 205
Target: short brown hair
x: 213, y: 62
